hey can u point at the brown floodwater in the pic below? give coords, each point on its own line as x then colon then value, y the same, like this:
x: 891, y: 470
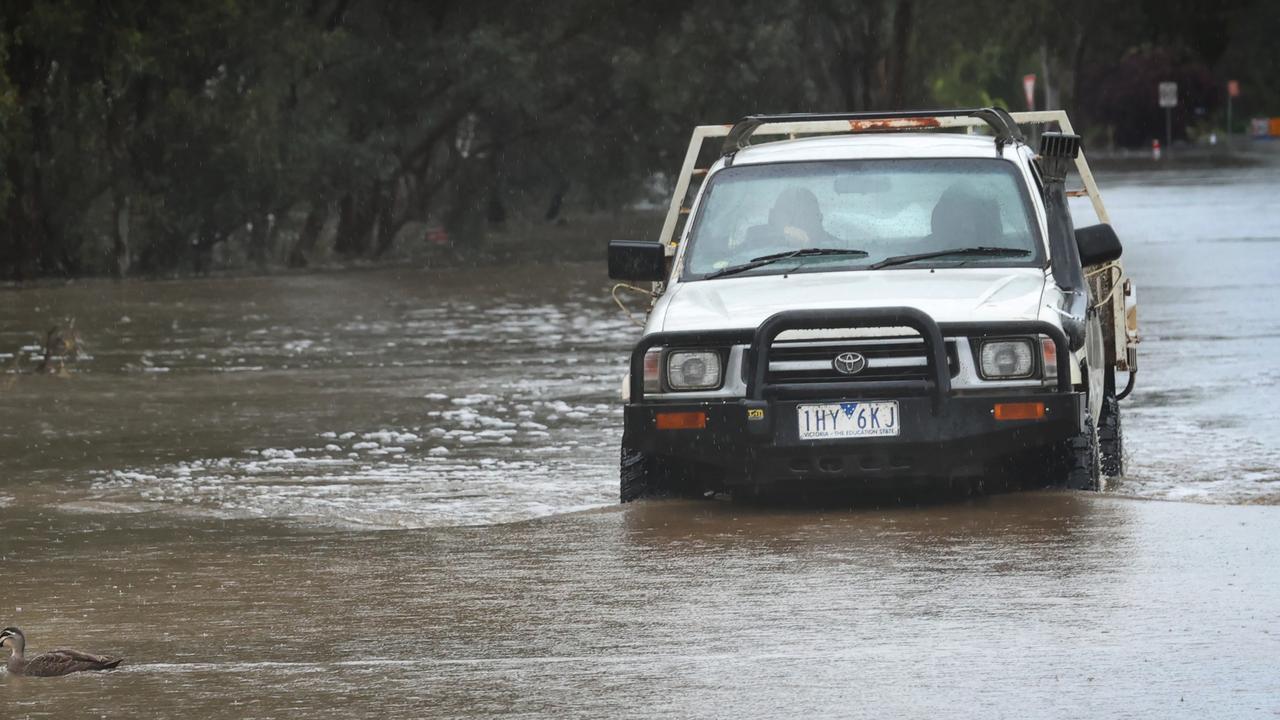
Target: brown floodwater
x: 394, y: 491
x: 1044, y: 604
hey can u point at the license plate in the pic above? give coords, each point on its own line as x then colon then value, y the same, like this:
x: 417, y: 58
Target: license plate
x: 830, y: 421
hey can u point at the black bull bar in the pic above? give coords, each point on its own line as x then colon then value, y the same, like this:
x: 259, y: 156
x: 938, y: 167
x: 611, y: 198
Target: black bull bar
x: 937, y: 384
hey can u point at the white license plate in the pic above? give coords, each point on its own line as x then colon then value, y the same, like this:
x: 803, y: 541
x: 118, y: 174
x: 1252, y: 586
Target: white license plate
x: 830, y: 421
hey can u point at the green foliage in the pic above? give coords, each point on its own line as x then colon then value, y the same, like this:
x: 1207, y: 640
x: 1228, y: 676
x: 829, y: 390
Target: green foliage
x: 159, y: 137
x: 970, y: 79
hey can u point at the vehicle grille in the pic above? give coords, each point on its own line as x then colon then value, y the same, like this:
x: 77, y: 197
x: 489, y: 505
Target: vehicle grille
x: 887, y: 359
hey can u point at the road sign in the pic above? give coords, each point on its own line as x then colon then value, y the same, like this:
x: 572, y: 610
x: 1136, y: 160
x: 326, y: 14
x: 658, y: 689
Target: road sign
x: 1029, y: 87
x: 1233, y: 88
x: 1168, y: 94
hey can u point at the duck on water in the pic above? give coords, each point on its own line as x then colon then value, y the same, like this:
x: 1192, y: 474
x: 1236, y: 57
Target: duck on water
x: 52, y: 663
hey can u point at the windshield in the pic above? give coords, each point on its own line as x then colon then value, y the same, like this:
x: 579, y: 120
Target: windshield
x: 885, y: 208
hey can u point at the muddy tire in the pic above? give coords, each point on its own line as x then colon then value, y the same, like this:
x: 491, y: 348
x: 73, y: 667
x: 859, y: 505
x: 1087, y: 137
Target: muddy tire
x: 1110, y: 433
x: 643, y: 476
x: 1080, y: 460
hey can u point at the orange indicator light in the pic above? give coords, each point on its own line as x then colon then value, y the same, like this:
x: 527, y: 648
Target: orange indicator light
x: 1019, y: 411
x: 681, y: 420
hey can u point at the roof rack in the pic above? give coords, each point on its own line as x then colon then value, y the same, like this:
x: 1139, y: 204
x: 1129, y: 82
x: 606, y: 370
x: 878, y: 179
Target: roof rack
x: 784, y: 125
x: 1004, y: 126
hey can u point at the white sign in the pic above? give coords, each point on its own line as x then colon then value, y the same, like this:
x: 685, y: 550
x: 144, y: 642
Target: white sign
x: 1168, y: 94
x: 832, y: 421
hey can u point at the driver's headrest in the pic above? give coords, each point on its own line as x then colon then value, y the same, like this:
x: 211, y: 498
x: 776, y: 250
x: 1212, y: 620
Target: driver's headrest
x: 962, y: 215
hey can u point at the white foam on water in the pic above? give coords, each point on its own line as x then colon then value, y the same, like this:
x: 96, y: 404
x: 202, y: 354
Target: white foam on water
x: 391, y: 437
x: 475, y: 468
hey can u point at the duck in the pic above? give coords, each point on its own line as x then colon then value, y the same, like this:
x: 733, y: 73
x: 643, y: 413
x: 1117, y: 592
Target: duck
x: 61, y: 343
x: 52, y: 663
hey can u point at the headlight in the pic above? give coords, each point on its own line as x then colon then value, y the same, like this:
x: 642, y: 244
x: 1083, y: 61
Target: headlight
x: 693, y: 370
x: 1007, y: 359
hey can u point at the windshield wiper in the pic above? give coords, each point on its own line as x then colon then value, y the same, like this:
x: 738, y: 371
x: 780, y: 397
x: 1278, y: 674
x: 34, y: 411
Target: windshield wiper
x: 778, y: 257
x: 980, y: 251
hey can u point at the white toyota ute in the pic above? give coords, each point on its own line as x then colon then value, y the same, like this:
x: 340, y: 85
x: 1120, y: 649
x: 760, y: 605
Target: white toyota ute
x: 877, y: 299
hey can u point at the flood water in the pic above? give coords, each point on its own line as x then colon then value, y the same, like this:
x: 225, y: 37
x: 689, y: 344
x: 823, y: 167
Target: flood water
x: 395, y: 490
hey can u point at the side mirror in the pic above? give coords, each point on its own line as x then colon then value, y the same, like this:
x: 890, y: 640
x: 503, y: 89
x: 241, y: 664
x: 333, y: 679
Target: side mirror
x: 1098, y: 244
x: 637, y: 260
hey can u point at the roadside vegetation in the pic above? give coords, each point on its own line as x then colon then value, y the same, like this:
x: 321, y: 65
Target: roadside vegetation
x: 143, y: 138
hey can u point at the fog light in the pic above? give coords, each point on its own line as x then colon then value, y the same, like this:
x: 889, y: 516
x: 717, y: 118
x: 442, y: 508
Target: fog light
x: 1006, y: 359
x: 697, y: 370
x: 681, y: 420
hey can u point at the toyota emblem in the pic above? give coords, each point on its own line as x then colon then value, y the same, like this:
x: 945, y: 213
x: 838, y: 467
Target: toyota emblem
x: 849, y: 363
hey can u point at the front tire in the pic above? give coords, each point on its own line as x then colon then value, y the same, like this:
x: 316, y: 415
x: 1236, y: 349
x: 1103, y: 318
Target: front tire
x: 1081, y: 460
x: 642, y: 475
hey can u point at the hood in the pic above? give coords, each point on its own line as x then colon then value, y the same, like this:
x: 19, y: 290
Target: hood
x: 954, y: 295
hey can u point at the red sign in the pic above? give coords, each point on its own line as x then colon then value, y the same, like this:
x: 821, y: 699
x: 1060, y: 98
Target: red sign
x: 1029, y: 87
x: 437, y: 235
x: 1233, y: 88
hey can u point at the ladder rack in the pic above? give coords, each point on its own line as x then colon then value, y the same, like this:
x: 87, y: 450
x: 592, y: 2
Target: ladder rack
x: 791, y: 126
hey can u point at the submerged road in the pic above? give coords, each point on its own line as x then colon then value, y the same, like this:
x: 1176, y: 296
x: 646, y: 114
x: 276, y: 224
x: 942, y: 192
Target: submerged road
x: 1044, y: 604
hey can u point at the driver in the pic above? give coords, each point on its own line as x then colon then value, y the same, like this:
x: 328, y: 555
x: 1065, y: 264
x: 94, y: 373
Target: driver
x: 795, y: 223
x: 963, y: 217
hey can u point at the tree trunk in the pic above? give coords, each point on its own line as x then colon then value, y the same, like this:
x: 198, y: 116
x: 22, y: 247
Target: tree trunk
x: 260, y: 239
x: 495, y: 211
x: 872, y: 55
x: 557, y: 201
x: 902, y: 26
x: 203, y: 246
x: 385, y: 221
x: 300, y: 254
x: 35, y: 241
x: 1077, y: 84
x: 464, y: 218
x: 364, y: 218
x: 1050, y: 92
x: 19, y: 231
x: 120, y: 239
x: 353, y: 226
x: 847, y: 70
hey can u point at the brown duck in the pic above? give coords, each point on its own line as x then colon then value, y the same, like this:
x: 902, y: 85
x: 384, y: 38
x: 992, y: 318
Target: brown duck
x: 52, y: 663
